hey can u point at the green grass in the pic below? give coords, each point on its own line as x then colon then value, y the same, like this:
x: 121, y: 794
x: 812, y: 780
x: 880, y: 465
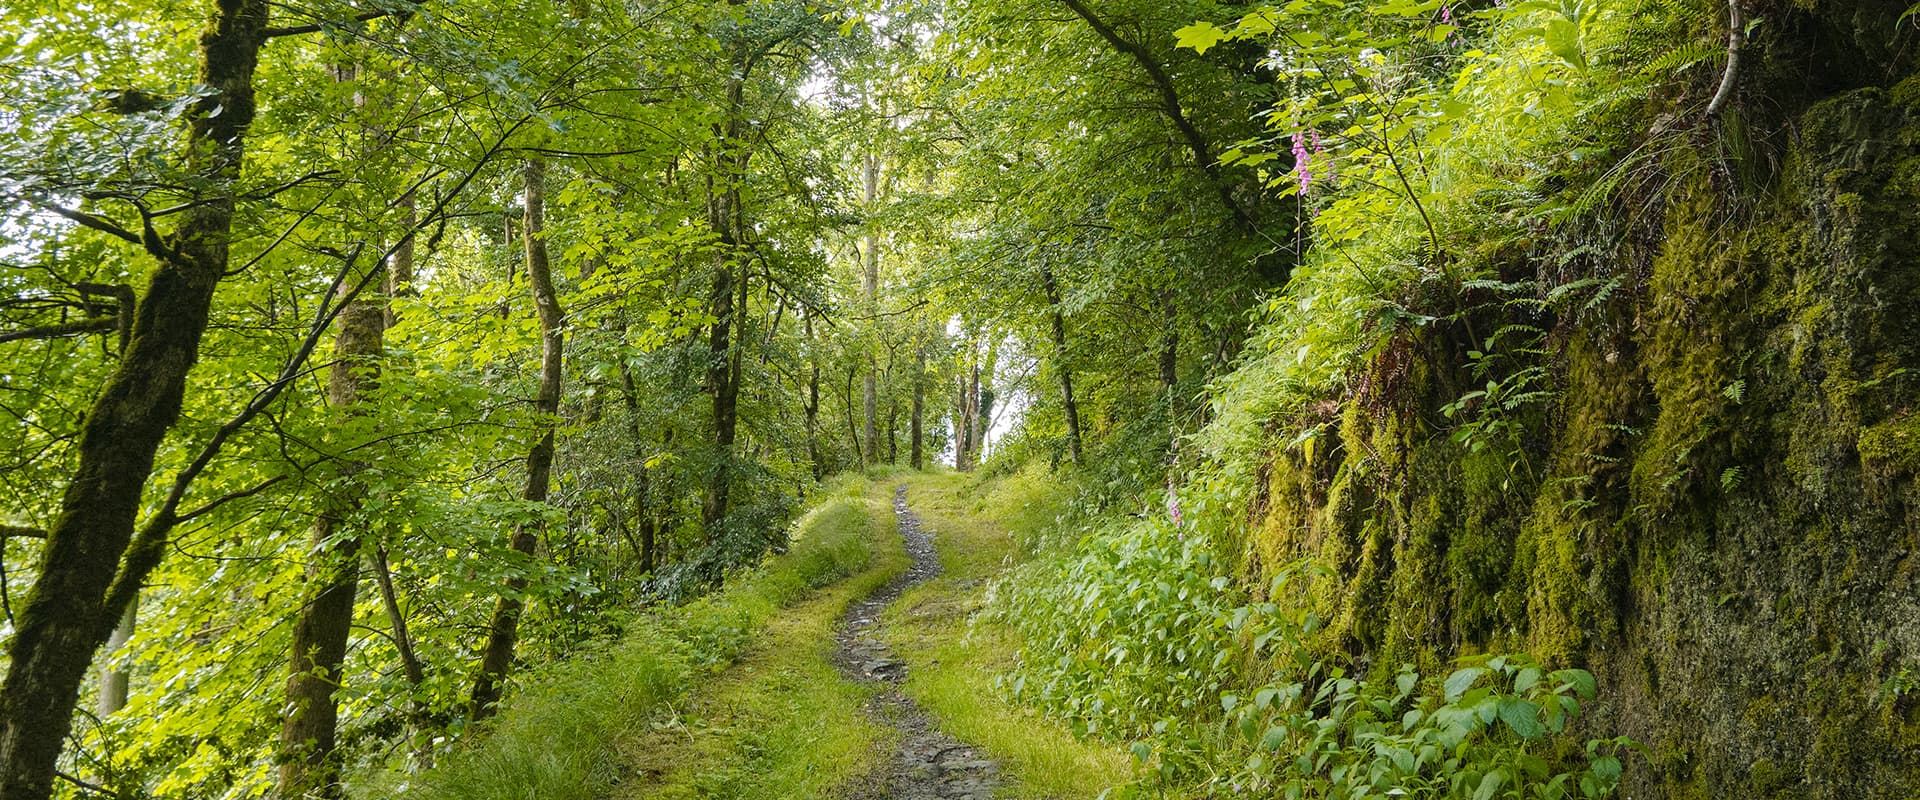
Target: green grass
x: 570, y: 733
x: 782, y: 724
x: 735, y: 696
x: 955, y: 659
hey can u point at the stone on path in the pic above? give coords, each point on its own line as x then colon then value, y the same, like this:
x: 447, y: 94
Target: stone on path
x: 929, y: 764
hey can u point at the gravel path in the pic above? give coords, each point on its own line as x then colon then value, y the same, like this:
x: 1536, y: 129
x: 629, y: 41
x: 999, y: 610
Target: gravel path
x: 928, y: 764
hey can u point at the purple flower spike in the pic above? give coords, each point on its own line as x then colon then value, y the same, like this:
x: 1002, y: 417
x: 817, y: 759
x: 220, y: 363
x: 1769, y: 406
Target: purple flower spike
x: 1302, y: 159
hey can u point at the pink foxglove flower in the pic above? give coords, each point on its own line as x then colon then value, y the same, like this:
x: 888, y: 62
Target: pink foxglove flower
x: 1173, y: 508
x: 1321, y: 158
x: 1302, y: 160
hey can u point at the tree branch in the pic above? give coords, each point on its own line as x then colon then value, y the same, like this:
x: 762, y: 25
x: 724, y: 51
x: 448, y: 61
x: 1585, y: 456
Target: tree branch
x: 21, y: 532
x: 1170, y: 106
x: 1736, y: 35
x: 94, y: 325
x: 148, y: 545
x: 97, y: 223
x: 85, y: 786
x: 316, y: 27
x: 124, y: 314
x: 230, y: 497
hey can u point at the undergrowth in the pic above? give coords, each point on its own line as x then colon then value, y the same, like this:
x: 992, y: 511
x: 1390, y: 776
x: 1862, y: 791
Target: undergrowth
x: 557, y: 738
x: 1137, y: 633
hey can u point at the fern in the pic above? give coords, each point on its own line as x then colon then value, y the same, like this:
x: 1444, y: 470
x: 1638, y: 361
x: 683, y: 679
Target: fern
x: 1681, y: 58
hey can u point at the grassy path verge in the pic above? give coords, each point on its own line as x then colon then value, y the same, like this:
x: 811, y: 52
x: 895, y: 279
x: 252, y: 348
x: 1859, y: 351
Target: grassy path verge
x: 782, y: 723
x: 749, y: 661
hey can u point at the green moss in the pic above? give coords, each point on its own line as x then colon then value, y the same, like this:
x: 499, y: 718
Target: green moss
x: 1892, y: 448
x: 1727, y: 489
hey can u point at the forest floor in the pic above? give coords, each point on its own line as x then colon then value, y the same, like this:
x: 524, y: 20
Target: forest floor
x: 883, y: 687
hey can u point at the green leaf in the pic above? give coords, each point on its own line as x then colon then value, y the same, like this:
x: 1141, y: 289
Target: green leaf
x: 1461, y: 680
x: 1489, y: 785
x: 1200, y: 36
x: 1521, y: 716
x: 1580, y: 680
x: 1275, y: 737
x: 1563, y: 38
x: 1527, y: 679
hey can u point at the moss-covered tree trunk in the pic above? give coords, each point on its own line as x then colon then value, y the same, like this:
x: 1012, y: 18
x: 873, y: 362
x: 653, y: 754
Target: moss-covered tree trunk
x: 322, y: 627
x: 728, y: 164
x: 69, y: 612
x: 503, y: 630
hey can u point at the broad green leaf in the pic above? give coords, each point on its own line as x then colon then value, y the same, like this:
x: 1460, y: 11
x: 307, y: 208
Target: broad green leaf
x: 1199, y: 36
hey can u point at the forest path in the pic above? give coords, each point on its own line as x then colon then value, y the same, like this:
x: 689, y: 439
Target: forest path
x: 883, y: 686
x: 927, y: 762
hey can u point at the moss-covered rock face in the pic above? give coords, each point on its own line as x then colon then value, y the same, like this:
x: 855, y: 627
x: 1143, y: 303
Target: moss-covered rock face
x: 1725, y: 526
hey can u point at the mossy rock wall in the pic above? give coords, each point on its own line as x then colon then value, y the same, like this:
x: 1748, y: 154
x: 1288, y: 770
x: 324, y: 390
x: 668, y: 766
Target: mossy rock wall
x: 1720, y: 513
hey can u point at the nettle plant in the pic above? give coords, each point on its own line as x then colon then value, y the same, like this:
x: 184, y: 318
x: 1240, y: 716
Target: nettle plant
x: 1133, y: 626
x: 1493, y: 729
x: 1496, y: 727
x: 1140, y: 633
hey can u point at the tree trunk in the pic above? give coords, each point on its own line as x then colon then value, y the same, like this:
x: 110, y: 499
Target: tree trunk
x: 960, y: 418
x: 83, y: 586
x: 642, y: 479
x: 113, y: 679
x: 410, y: 663
x: 400, y: 269
x: 323, y: 625
x: 813, y: 403
x: 723, y: 208
x: 1169, y: 349
x: 919, y: 407
x: 503, y: 631
x: 1061, y: 362
x: 870, y: 296
x: 308, y: 767
x: 859, y: 454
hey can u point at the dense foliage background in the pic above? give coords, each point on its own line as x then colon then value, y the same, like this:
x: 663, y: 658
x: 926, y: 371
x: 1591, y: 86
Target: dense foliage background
x: 360, y: 358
